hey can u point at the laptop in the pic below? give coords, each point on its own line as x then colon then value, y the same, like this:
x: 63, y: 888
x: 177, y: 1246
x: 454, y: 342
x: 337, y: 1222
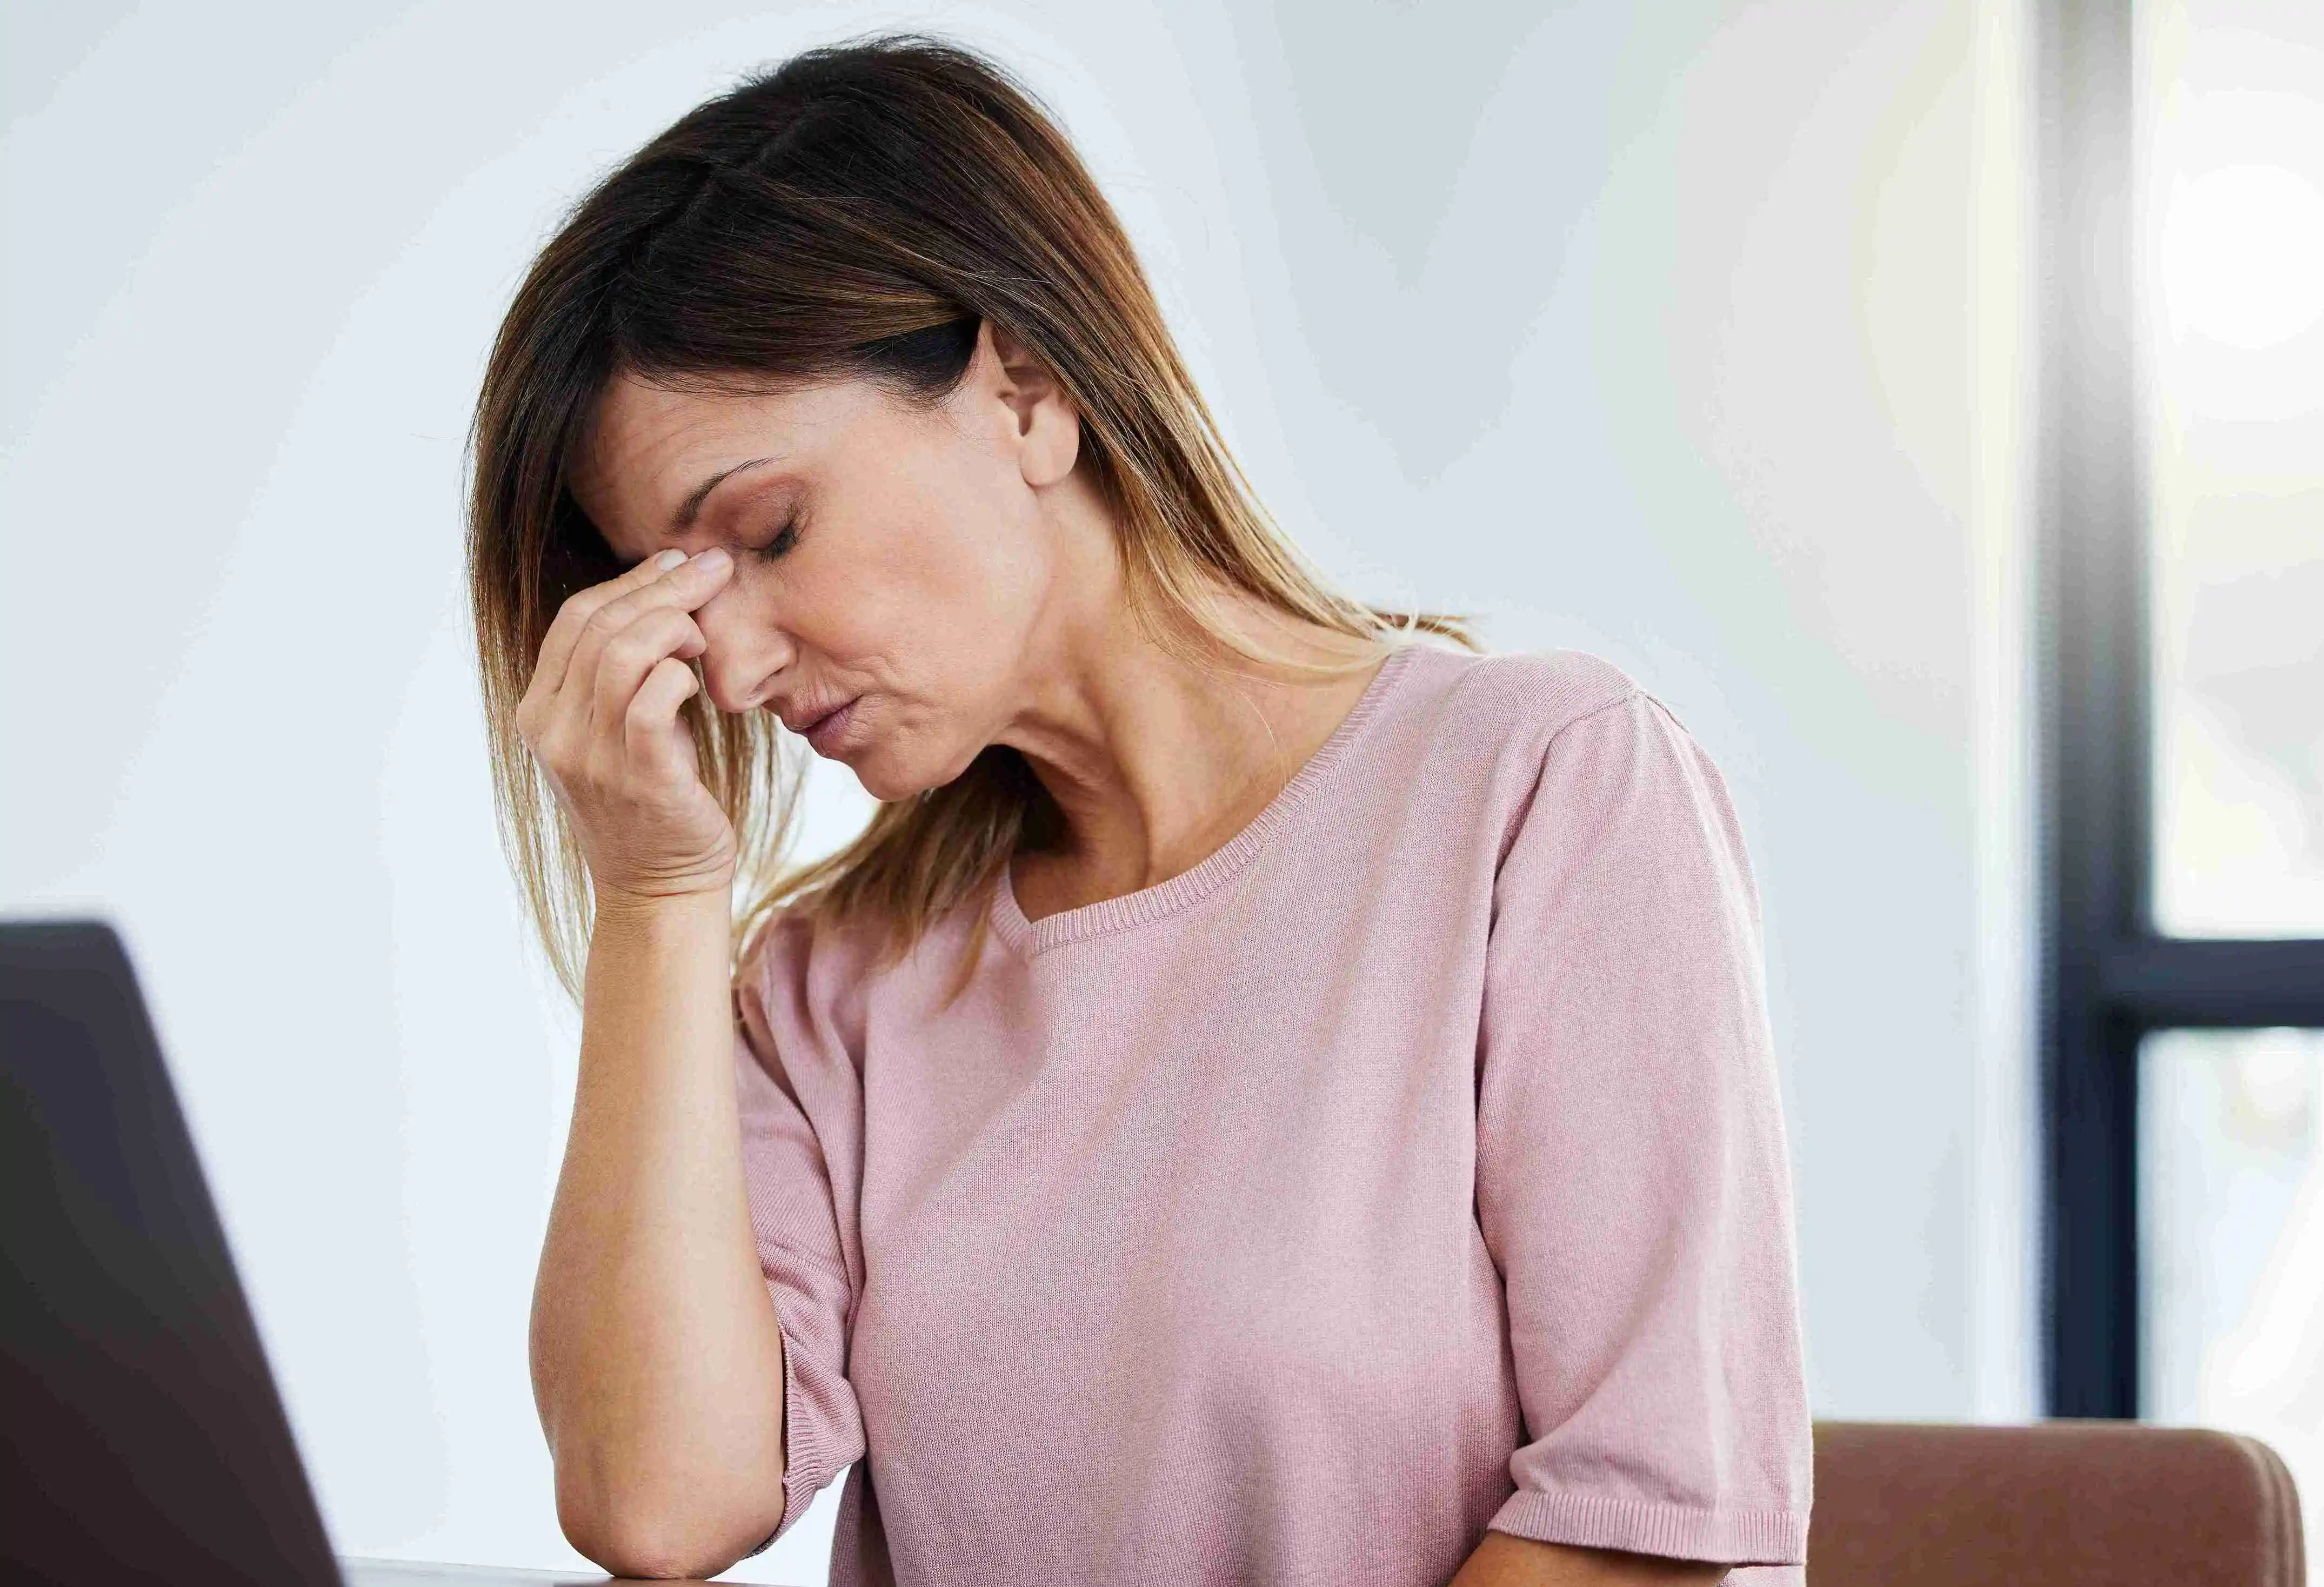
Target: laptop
x: 142, y: 1438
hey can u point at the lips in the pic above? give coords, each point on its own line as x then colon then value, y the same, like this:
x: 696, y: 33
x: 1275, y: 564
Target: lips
x: 826, y: 731
x: 803, y: 722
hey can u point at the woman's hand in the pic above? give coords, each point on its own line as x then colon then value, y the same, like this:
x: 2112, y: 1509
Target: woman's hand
x: 601, y: 717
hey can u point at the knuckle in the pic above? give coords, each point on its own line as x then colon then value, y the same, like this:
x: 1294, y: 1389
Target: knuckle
x: 625, y: 649
x: 659, y: 629
x: 669, y: 673
x: 640, y: 704
x: 577, y: 606
x: 649, y: 635
x: 537, y: 728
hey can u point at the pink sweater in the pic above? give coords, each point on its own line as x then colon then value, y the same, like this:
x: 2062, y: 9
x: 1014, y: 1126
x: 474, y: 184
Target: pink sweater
x: 1411, y: 1165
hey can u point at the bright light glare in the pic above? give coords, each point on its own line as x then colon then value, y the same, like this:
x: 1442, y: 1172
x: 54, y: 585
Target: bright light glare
x: 2243, y: 255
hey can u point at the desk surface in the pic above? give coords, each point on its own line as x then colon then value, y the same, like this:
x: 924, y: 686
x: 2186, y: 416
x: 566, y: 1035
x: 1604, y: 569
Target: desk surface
x: 397, y: 1572
x: 400, y: 1573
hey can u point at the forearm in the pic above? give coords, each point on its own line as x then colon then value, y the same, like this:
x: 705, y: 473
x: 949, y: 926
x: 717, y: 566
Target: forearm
x: 657, y: 1359
x: 1504, y: 1560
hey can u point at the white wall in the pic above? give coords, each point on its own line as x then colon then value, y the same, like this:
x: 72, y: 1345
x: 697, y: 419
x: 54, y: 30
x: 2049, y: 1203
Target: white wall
x: 1685, y: 333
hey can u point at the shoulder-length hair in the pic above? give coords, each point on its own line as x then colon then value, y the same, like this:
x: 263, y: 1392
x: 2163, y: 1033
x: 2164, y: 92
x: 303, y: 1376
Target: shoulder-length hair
x: 855, y: 211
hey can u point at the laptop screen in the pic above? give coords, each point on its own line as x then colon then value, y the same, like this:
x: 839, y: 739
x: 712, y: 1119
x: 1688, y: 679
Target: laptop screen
x: 141, y: 1435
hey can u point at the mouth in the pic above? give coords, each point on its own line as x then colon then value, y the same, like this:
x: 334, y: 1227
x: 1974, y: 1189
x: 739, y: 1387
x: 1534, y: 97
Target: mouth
x: 824, y: 730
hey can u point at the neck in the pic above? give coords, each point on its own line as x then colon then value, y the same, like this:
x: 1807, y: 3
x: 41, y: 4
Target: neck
x: 1154, y: 758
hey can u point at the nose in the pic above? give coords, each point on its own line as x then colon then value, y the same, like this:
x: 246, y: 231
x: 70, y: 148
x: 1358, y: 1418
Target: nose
x: 745, y: 651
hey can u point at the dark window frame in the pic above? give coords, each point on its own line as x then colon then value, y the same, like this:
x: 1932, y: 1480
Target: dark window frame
x: 2107, y: 977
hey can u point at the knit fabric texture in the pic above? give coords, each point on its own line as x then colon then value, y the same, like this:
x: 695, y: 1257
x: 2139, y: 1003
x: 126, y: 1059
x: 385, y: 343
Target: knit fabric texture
x: 1412, y: 1166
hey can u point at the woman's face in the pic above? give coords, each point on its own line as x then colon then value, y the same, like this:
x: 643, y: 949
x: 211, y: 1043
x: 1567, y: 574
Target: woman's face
x: 893, y: 567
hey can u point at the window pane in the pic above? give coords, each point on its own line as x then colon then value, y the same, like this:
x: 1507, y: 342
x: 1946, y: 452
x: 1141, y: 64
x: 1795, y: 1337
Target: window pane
x: 2232, y: 256
x: 2231, y: 1212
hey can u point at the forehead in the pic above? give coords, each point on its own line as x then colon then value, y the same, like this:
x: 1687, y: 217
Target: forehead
x: 649, y: 447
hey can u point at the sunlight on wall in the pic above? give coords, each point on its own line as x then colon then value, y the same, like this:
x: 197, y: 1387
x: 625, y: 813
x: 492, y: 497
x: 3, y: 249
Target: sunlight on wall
x: 2232, y: 1162
x: 2234, y: 229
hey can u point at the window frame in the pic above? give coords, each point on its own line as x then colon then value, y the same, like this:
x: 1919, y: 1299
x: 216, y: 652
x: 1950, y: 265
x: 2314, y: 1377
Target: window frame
x: 2108, y: 978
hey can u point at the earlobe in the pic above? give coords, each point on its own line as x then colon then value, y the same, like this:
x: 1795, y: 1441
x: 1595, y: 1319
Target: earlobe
x: 1052, y: 441
x: 1049, y: 426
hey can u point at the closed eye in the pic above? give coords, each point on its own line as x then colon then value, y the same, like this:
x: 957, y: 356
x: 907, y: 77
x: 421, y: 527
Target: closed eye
x: 785, y: 538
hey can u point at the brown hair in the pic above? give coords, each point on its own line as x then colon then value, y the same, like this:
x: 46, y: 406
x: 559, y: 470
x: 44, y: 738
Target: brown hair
x: 857, y: 210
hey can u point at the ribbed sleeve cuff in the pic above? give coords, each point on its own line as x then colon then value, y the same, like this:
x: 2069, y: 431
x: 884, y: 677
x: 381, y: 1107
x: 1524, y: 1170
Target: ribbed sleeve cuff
x: 798, y: 1435
x: 1730, y: 1537
x: 803, y: 1468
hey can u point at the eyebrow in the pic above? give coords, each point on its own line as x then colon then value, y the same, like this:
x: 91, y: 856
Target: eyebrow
x: 691, y: 508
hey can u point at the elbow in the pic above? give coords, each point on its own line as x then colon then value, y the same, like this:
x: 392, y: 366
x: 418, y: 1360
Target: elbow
x: 657, y: 1537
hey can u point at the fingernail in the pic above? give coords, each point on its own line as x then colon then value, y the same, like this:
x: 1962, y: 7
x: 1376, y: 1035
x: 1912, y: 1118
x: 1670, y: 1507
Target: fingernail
x: 712, y: 560
x: 669, y: 559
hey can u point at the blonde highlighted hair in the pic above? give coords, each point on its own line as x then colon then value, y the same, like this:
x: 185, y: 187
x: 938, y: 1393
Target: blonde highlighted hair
x: 856, y: 211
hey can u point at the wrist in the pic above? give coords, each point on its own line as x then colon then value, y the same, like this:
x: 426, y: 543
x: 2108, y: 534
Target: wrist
x: 631, y: 910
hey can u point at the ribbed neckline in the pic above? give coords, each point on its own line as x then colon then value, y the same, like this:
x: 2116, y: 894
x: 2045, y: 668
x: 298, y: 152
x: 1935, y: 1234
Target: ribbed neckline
x: 1163, y: 898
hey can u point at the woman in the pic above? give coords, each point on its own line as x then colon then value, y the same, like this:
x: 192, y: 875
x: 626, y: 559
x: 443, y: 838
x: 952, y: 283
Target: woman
x: 1266, y: 1100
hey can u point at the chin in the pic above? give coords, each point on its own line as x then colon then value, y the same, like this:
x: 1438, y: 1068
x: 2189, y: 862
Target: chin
x: 889, y: 772
x: 887, y: 790
x: 885, y: 778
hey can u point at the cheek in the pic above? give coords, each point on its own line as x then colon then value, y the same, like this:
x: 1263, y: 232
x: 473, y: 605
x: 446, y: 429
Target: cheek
x: 973, y: 628
x: 950, y: 616
x: 929, y: 580
x: 996, y: 566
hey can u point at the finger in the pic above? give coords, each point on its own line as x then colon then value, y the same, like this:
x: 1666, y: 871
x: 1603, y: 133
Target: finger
x: 650, y: 727
x: 629, y: 655
x: 682, y: 589
x: 566, y: 628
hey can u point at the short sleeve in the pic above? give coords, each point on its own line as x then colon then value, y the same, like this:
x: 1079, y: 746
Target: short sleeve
x: 1633, y: 1184
x: 801, y: 1103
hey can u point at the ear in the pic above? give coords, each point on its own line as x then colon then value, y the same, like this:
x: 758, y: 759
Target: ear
x: 1047, y: 427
